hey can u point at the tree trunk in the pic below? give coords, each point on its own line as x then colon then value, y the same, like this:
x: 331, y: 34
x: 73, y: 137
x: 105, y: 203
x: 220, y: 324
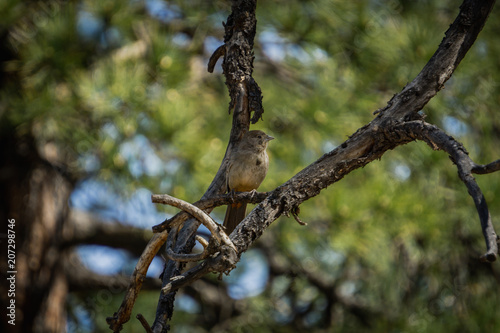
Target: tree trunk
x: 34, y: 200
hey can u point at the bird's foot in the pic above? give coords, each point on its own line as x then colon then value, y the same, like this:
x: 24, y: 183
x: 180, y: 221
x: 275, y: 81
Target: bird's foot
x: 252, y: 193
x: 231, y: 195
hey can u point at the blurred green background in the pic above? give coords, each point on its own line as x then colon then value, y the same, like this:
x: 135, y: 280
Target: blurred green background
x: 120, y: 90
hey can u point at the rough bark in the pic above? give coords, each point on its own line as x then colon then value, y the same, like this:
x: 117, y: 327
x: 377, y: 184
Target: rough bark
x: 35, y: 194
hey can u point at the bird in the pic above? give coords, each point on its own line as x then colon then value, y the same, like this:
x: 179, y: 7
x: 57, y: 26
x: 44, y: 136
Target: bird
x: 247, y: 168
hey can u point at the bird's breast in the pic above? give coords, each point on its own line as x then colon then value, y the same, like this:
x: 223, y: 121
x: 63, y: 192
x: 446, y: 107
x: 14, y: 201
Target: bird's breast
x: 248, y: 173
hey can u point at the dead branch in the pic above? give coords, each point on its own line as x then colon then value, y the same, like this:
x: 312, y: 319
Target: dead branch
x: 205, y: 204
x: 237, y: 67
x: 200, y: 215
x: 436, y: 137
x: 136, y: 280
x: 488, y: 168
x: 222, y: 262
x: 458, y: 39
x: 220, y: 52
x: 144, y: 323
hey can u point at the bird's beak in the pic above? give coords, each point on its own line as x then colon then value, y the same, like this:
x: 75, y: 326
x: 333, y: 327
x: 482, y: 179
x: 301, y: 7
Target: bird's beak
x: 269, y: 138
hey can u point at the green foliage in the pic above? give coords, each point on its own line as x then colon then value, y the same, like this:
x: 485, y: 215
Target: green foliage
x: 401, y: 234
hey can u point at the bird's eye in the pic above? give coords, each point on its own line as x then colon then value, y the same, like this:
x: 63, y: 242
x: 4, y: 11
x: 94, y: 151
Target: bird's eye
x: 260, y: 136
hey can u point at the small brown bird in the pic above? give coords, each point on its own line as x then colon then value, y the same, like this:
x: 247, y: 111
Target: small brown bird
x: 247, y: 168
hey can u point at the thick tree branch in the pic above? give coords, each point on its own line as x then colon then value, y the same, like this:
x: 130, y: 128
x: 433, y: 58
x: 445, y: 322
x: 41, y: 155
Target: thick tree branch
x: 373, y: 140
x: 456, y: 43
x: 239, y: 37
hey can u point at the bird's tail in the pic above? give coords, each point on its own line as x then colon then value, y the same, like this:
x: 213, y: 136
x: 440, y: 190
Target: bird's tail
x: 235, y: 213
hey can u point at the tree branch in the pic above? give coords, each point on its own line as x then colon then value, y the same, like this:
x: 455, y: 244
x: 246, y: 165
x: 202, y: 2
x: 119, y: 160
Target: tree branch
x: 136, y: 280
x: 437, y: 138
x: 205, y: 204
x: 223, y: 262
x: 144, y: 323
x: 488, y: 168
x: 215, y: 229
x: 457, y: 41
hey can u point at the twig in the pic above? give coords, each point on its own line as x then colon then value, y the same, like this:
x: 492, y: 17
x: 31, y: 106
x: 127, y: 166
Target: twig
x: 295, y: 213
x: 202, y: 241
x: 220, y: 52
x: 186, y: 257
x: 144, y: 323
x: 488, y: 168
x: 222, y: 261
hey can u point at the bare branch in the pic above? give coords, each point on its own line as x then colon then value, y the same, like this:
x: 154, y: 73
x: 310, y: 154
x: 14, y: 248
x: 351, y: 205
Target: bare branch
x: 295, y: 213
x: 202, y: 241
x: 488, y: 168
x: 186, y: 257
x: 144, y: 323
x: 220, y: 52
x: 136, y: 281
x: 201, y: 216
x: 456, y: 43
x: 222, y: 261
x: 435, y: 137
x: 371, y: 141
x: 205, y: 204
x: 237, y: 65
